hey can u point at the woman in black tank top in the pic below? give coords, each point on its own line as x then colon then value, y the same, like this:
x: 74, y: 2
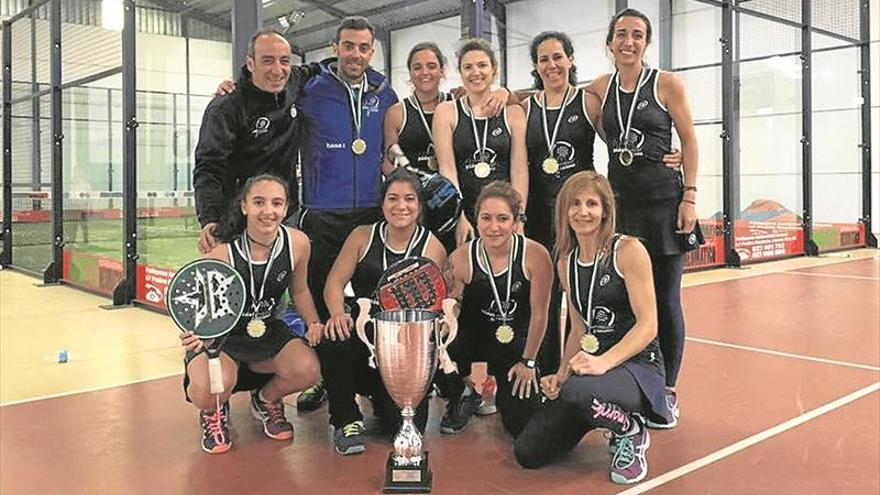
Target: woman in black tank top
x: 656, y: 204
x: 271, y: 258
x: 408, y: 122
x: 612, y: 372
x: 502, y: 282
x: 368, y: 251
x: 473, y: 148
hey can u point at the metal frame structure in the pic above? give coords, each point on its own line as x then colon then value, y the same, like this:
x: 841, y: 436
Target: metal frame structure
x: 477, y: 20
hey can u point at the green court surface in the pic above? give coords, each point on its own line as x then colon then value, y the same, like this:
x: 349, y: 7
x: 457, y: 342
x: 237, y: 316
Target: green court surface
x: 167, y: 242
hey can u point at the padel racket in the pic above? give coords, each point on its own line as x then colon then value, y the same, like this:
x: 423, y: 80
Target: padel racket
x: 411, y: 283
x: 207, y: 297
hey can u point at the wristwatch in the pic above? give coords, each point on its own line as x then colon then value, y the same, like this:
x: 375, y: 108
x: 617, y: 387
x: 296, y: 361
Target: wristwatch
x: 529, y: 363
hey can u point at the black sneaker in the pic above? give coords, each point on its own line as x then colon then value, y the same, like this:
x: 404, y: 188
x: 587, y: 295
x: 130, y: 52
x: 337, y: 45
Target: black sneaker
x: 348, y: 440
x: 672, y: 414
x: 459, y: 412
x: 215, y: 430
x: 311, y: 398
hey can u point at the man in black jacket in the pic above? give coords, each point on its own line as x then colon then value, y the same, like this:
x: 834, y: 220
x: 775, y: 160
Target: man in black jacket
x: 251, y: 131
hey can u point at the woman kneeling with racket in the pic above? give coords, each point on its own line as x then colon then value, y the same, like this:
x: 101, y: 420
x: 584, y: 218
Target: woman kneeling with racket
x: 612, y: 373
x: 502, y: 281
x: 259, y: 353
x: 366, y: 255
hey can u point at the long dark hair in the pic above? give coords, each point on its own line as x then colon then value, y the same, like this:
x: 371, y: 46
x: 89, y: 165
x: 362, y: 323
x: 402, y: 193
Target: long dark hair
x: 235, y: 222
x: 567, y: 47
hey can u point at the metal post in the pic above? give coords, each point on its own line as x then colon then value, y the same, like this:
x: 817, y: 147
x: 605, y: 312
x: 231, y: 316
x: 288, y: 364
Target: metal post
x: 474, y: 20
x: 247, y: 17
x: 6, y: 256
x: 665, y: 38
x: 54, y: 271
x: 730, y: 139
x: 36, y: 154
x: 175, y: 166
x: 124, y: 291
x: 383, y: 36
x: 810, y: 247
x: 110, y: 142
x: 189, y: 154
x: 499, y: 11
x: 865, y: 73
x: 620, y: 5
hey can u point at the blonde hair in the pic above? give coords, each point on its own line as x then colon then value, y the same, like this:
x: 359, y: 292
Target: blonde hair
x: 575, y: 185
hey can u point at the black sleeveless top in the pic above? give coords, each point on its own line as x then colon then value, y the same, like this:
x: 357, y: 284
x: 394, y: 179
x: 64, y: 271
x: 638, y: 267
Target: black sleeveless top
x: 573, y: 149
x: 278, y: 281
x: 612, y: 314
x: 479, y: 310
x: 414, y: 137
x: 468, y: 153
x: 647, y: 179
x: 378, y: 257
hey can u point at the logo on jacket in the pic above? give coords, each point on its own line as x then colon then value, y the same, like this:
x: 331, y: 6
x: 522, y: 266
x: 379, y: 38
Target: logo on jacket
x: 261, y: 126
x: 371, y: 104
x: 642, y: 104
x: 572, y: 119
x: 604, y: 281
x: 293, y: 111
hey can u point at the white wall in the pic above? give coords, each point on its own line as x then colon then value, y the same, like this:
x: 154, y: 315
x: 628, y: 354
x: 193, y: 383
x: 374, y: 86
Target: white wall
x: 378, y: 61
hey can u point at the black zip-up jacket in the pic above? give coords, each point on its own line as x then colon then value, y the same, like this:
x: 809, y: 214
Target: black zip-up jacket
x: 246, y: 133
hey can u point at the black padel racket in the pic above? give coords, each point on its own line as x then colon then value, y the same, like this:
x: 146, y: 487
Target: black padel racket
x: 411, y: 283
x: 207, y: 297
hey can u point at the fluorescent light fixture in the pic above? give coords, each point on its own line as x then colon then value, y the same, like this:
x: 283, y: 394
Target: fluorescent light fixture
x: 112, y: 17
x: 290, y: 20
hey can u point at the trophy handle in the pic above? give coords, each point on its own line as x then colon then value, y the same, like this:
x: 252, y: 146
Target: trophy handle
x: 363, y: 318
x: 446, y: 363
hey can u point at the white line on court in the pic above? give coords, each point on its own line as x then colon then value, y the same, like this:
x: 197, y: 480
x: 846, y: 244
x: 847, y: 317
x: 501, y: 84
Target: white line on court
x: 88, y: 390
x: 749, y: 441
x: 783, y: 354
x: 832, y: 275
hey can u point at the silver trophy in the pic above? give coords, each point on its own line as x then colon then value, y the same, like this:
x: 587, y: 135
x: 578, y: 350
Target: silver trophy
x: 409, y: 343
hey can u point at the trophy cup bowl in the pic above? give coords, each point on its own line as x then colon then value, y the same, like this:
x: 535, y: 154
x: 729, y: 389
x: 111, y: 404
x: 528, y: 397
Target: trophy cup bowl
x: 407, y: 346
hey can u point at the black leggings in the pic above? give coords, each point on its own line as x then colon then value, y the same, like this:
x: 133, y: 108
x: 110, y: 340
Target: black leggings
x: 670, y: 318
x: 584, y: 403
x: 346, y: 372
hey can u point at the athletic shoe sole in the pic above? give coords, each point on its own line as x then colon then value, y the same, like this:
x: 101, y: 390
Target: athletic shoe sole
x: 219, y: 449
x: 355, y: 449
x: 661, y: 426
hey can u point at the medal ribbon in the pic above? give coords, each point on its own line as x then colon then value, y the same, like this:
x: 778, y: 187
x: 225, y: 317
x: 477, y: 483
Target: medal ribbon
x: 250, y: 263
x: 383, y: 235
x: 474, y: 127
x: 357, y: 110
x: 551, y: 140
x: 492, y: 275
x: 418, y: 105
x: 588, y: 316
x: 632, y: 106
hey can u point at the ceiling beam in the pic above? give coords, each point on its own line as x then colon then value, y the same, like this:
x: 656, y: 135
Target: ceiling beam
x: 328, y: 9
x: 391, y: 7
x: 193, y: 13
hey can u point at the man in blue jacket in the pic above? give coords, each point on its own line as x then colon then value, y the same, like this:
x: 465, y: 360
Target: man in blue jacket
x: 343, y: 108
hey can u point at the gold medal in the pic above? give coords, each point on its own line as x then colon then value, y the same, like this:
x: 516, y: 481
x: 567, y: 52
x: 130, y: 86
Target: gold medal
x: 550, y: 166
x: 626, y: 157
x: 504, y: 334
x: 359, y: 146
x: 256, y: 328
x: 589, y: 343
x: 482, y: 170
x: 433, y: 166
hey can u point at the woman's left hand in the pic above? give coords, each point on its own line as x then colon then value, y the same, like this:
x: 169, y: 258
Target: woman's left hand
x: 588, y: 364
x: 673, y: 159
x: 524, y: 381
x: 687, y: 218
x: 496, y: 102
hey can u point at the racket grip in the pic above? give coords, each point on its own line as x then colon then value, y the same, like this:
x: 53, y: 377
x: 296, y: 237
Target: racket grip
x: 215, y: 376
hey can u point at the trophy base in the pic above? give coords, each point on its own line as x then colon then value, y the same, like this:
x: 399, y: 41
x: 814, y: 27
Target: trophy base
x: 407, y: 479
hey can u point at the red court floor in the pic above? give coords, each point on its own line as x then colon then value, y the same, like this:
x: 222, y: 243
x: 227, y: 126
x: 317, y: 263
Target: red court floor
x: 779, y: 394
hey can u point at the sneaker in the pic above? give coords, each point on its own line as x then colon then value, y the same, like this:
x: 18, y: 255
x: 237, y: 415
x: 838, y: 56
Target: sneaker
x: 487, y: 406
x: 459, y: 412
x: 271, y: 414
x: 672, y: 414
x: 215, y: 430
x: 311, y: 398
x: 630, y: 462
x: 348, y: 440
